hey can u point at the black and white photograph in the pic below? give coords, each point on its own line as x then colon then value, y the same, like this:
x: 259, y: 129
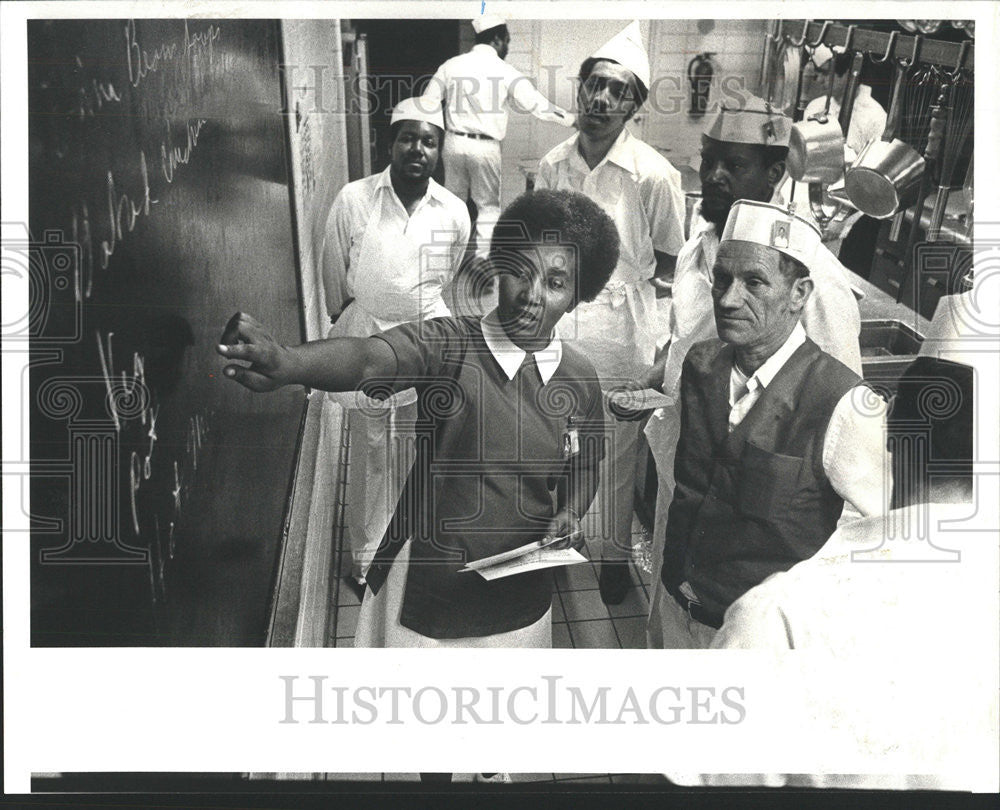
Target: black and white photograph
x: 569, y: 339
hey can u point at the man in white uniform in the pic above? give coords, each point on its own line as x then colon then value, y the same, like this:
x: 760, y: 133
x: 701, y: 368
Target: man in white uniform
x: 393, y: 242
x: 743, y: 157
x: 866, y: 598
x: 476, y: 88
x: 775, y: 433
x: 642, y: 193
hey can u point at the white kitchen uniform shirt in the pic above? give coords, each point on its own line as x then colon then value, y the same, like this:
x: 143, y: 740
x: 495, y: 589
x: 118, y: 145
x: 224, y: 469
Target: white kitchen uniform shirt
x: 477, y: 87
x: 395, y: 265
x: 641, y: 191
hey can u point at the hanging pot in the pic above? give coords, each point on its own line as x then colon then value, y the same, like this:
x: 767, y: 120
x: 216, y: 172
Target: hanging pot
x: 887, y: 174
x: 816, y: 145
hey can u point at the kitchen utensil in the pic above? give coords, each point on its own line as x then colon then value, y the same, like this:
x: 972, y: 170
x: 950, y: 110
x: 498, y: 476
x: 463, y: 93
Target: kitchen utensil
x: 816, y: 146
x: 887, y: 173
x: 932, y: 152
x: 770, y: 38
x: 798, y: 104
x: 919, y: 94
x: 791, y: 63
x: 957, y: 132
x: 775, y: 51
x: 829, y: 206
x: 806, y: 54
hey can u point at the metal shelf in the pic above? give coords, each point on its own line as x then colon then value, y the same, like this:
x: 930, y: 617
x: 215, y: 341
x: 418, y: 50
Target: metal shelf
x: 931, y: 52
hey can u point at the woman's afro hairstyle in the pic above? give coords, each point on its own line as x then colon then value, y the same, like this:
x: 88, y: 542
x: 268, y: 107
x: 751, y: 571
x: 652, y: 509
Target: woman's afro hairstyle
x: 561, y: 218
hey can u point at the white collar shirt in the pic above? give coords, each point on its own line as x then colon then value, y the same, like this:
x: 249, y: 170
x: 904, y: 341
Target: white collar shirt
x: 854, y: 448
x: 511, y: 357
x: 439, y: 224
x: 745, y: 391
x: 637, y: 187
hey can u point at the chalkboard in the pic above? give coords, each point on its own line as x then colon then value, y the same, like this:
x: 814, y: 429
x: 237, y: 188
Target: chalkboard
x: 158, y: 205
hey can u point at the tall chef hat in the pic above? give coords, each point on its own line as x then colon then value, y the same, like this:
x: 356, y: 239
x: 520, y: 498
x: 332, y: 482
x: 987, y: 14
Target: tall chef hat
x: 773, y: 226
x: 751, y: 121
x: 627, y: 50
x: 419, y: 108
x: 484, y: 22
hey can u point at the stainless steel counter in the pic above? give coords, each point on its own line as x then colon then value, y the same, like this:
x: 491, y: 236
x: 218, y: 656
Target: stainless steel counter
x: 877, y: 305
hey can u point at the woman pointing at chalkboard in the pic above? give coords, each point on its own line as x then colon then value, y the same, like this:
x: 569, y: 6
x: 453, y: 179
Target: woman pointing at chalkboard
x: 395, y: 240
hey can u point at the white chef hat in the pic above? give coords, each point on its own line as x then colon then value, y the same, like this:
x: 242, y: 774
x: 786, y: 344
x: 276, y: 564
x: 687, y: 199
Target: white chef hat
x: 627, y: 50
x: 962, y: 332
x: 484, y: 22
x: 751, y: 120
x: 419, y: 108
x: 773, y: 226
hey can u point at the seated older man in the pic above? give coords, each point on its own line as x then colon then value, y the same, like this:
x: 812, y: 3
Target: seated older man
x: 771, y: 442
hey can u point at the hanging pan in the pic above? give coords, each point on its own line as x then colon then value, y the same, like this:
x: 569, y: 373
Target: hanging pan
x: 886, y: 176
x: 816, y: 145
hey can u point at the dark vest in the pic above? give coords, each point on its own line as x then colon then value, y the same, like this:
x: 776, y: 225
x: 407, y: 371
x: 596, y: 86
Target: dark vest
x: 756, y: 501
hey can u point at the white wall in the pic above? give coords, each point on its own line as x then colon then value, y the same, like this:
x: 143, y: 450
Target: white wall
x: 317, y: 133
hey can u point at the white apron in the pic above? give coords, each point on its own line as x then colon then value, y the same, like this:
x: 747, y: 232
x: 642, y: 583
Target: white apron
x: 395, y: 280
x: 693, y: 310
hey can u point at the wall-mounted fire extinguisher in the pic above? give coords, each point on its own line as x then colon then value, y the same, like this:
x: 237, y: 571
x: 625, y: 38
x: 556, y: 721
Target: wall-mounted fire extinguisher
x: 701, y: 69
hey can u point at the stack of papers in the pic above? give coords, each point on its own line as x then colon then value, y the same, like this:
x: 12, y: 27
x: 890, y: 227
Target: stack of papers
x: 530, y: 557
x: 643, y: 400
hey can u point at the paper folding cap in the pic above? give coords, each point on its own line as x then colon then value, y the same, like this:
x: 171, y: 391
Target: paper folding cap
x: 961, y: 332
x: 419, y: 108
x: 484, y: 22
x: 773, y: 226
x: 755, y: 121
x: 627, y: 50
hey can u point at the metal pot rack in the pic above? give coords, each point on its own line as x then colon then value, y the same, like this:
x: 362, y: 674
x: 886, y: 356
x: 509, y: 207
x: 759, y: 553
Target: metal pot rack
x: 881, y: 47
x: 931, y: 51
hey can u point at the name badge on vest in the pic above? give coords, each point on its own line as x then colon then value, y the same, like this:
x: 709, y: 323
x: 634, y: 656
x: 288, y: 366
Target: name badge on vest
x: 571, y: 440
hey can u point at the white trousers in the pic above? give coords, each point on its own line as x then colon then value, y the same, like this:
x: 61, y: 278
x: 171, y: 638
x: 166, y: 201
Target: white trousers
x: 472, y: 170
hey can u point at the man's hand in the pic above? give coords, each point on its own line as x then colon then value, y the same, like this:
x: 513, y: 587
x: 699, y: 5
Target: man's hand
x: 566, y: 525
x: 271, y: 364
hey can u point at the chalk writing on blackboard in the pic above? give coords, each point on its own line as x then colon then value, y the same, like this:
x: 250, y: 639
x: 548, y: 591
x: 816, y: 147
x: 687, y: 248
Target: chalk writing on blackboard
x: 142, y: 62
